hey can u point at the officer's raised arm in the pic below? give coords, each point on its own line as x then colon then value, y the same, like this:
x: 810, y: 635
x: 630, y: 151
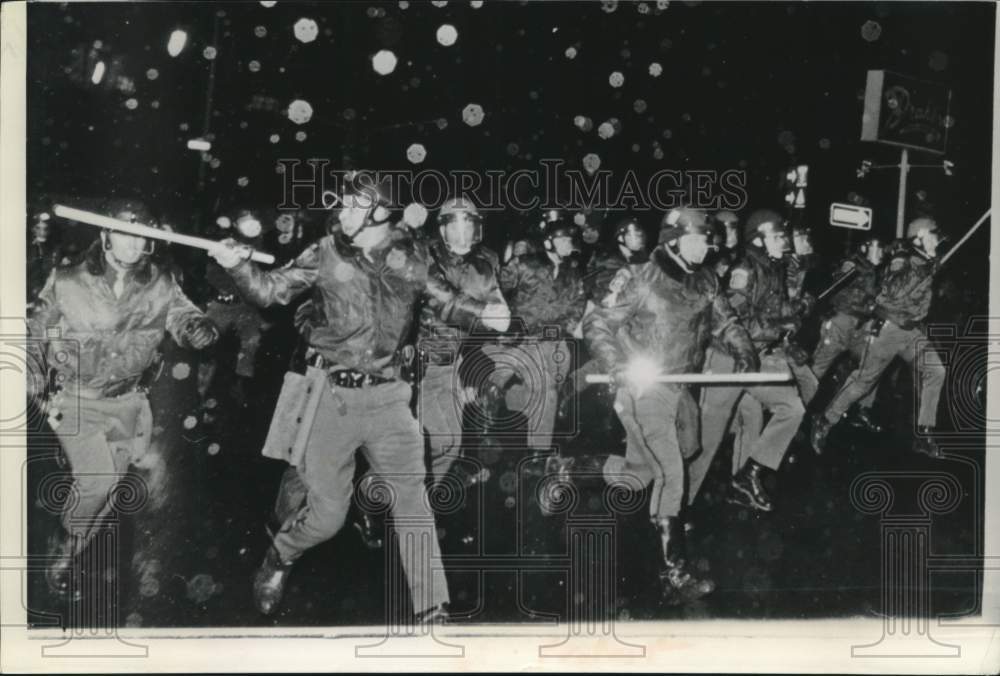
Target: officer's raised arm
x: 279, y: 286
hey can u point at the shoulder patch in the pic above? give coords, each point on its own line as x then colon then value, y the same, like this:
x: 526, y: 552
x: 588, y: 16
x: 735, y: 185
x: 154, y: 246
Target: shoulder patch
x: 739, y: 278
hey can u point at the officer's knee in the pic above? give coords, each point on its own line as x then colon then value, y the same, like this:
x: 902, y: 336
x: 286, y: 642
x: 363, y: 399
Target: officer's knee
x: 96, y: 485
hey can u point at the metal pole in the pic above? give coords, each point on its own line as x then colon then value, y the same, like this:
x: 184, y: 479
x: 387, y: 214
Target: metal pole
x: 206, y: 126
x: 904, y: 169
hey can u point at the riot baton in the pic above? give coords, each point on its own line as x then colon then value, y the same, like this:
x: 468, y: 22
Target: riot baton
x: 140, y: 230
x: 967, y: 235
x: 704, y: 378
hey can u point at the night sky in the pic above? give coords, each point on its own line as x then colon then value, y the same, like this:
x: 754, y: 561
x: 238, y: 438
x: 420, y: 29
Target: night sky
x: 753, y: 86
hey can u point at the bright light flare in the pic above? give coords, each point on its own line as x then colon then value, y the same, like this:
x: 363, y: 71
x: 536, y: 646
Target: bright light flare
x: 642, y: 372
x: 176, y: 43
x: 98, y: 73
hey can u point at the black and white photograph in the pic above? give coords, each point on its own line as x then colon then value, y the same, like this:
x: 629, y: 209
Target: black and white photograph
x: 499, y: 336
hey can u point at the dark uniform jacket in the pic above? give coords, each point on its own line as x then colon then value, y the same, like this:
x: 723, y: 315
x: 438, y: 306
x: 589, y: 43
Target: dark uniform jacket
x: 540, y: 297
x: 667, y: 315
x: 904, y: 294
x: 758, y: 293
x: 474, y: 276
x: 361, y: 309
x: 97, y: 340
x: 858, y: 295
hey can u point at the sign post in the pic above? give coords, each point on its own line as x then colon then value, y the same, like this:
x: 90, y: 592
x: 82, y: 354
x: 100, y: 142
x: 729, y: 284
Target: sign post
x: 909, y: 113
x: 850, y: 216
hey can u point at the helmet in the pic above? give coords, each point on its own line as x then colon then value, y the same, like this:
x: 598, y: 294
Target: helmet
x: 454, y: 206
x: 132, y: 211
x: 560, y: 227
x: 625, y: 225
x: 919, y: 225
x: 726, y: 217
x: 361, y: 189
x: 762, y: 221
x: 457, y: 208
x: 684, y: 221
x: 557, y: 226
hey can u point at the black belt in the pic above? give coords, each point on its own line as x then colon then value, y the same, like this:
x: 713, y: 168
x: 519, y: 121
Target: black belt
x: 348, y: 378
x: 353, y: 379
x: 227, y: 299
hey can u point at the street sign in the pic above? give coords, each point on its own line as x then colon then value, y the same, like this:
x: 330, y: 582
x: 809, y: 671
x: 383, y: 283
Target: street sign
x: 850, y: 216
x: 904, y: 111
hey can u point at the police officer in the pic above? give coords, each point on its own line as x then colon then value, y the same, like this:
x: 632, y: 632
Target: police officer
x: 234, y: 315
x: 602, y: 278
x: 366, y: 281
x: 841, y: 331
x: 727, y: 241
x: 901, y: 305
x: 462, y: 262
x: 41, y: 257
x: 660, y: 323
x: 547, y: 300
x: 108, y: 313
x: 758, y: 293
x: 606, y: 275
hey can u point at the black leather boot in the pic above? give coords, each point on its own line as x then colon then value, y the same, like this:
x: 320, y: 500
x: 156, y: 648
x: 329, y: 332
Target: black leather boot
x: 371, y: 528
x: 269, y: 581
x: 820, y: 431
x: 925, y: 444
x: 748, y: 490
x: 863, y: 419
x: 434, y: 615
x: 59, y: 572
x: 677, y: 583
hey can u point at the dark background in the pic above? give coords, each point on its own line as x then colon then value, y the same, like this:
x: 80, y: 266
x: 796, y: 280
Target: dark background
x: 753, y: 86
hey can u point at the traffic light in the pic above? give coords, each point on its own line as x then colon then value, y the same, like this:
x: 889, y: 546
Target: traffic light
x: 794, y: 185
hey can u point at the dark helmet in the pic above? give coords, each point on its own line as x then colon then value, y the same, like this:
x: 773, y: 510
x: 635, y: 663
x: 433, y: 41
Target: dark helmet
x: 761, y: 222
x: 683, y: 221
x: 130, y: 211
x: 726, y: 217
x: 461, y: 207
x: 361, y: 189
x: 560, y: 227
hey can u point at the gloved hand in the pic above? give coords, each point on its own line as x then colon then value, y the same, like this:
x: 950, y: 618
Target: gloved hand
x: 875, y: 329
x: 229, y: 253
x: 200, y: 332
x: 789, y: 325
x: 439, y: 289
x: 619, y: 378
x: 746, y: 363
x: 796, y: 354
x: 805, y: 304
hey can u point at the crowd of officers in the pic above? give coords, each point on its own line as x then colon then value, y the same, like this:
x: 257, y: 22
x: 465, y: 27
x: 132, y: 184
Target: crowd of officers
x: 708, y: 294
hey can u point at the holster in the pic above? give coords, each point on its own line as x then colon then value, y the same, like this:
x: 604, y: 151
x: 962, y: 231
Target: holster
x: 294, y: 414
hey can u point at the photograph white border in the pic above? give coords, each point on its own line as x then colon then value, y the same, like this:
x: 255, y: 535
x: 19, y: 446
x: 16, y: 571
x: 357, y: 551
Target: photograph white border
x: 688, y: 646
